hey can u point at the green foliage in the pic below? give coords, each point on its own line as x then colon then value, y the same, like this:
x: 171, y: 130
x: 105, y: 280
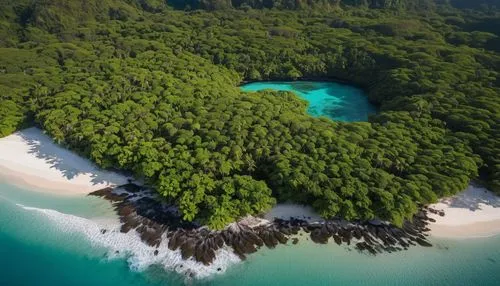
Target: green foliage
x: 138, y: 87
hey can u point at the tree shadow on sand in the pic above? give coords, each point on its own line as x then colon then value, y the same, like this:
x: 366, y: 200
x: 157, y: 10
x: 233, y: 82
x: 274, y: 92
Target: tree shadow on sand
x: 473, y: 199
x: 68, y: 163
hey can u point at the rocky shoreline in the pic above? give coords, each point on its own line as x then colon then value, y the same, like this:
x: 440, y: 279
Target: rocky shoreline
x: 140, y: 210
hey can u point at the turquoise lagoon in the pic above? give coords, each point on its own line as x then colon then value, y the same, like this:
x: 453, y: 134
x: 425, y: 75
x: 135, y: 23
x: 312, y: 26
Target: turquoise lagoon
x: 337, y: 101
x: 53, y: 240
x: 38, y: 246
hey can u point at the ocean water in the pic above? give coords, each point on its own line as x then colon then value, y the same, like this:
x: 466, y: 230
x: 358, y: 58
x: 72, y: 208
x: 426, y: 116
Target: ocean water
x: 51, y: 240
x: 337, y: 101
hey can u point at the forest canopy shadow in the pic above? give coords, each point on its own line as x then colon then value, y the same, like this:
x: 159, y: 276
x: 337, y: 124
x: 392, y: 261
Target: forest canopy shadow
x: 68, y: 163
x: 472, y: 198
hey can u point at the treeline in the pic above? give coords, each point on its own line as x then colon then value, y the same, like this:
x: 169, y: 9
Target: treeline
x: 415, y: 5
x: 483, y: 4
x: 157, y: 94
x: 44, y: 13
x: 57, y: 16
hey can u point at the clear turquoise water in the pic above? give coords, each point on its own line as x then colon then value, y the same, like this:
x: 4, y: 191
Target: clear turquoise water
x: 33, y: 251
x: 336, y: 101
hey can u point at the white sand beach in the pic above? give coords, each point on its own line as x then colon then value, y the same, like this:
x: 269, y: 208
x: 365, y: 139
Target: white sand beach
x: 30, y: 158
x: 474, y: 212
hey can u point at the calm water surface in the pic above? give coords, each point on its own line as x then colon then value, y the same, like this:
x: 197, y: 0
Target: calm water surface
x: 35, y: 251
x: 39, y: 247
x: 336, y: 101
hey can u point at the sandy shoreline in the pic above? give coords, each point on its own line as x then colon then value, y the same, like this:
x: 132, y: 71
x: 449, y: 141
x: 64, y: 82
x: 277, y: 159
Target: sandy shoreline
x: 474, y: 212
x: 29, y: 158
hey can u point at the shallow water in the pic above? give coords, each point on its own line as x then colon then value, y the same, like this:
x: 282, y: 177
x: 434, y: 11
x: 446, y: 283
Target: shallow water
x: 336, y: 101
x: 473, y: 262
x: 40, y: 244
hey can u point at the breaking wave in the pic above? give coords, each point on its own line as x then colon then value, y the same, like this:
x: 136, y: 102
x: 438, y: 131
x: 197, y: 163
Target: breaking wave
x: 106, y: 233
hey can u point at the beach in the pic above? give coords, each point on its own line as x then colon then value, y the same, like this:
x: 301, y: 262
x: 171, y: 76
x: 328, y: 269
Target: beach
x: 78, y: 254
x: 474, y: 212
x: 30, y: 158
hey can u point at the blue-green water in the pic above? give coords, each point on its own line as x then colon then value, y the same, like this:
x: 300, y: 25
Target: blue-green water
x: 42, y: 248
x: 336, y: 101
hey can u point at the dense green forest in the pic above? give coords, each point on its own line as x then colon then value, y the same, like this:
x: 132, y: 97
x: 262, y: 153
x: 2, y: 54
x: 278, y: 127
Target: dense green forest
x: 151, y: 87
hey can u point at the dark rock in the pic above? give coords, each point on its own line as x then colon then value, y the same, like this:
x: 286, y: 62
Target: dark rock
x: 409, y: 229
x: 209, y: 242
x: 357, y: 233
x: 280, y: 237
x: 151, y: 218
x: 208, y: 256
x: 361, y: 246
x: 188, y: 248
x: 337, y: 239
x: 219, y: 241
x: 253, y: 238
x: 318, y: 236
x: 370, y: 249
x: 108, y: 194
x: 285, y: 230
x: 174, y: 241
x: 126, y: 210
x: 131, y: 187
x: 244, y: 244
x: 312, y: 227
x: 423, y: 242
x: 238, y: 251
x: 331, y: 228
x: 125, y: 228
x: 347, y: 236
x: 269, y: 240
x: 367, y: 238
x: 228, y: 237
x: 325, y: 231
x: 151, y: 234
x: 199, y: 252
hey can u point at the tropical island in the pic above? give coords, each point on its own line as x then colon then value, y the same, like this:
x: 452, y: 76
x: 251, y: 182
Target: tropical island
x: 151, y: 92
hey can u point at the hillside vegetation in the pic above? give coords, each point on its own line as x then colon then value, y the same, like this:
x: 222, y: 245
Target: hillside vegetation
x: 144, y: 87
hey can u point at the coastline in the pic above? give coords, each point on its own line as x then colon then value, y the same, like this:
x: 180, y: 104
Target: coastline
x: 472, y: 213
x: 306, y: 263
x: 285, y: 211
x: 29, y: 158
x: 155, y: 235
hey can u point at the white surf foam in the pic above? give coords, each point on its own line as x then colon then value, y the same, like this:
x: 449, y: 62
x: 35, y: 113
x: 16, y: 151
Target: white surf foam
x: 129, y: 245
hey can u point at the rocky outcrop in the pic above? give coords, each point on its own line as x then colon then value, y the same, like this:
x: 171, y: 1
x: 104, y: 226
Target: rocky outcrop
x: 157, y: 223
